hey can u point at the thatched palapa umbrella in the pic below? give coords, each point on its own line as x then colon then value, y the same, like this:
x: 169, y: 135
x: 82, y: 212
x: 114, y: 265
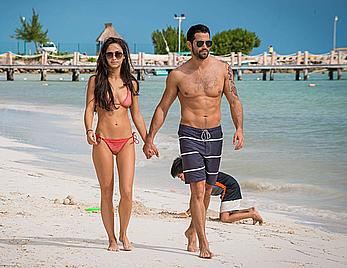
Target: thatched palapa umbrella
x: 109, y: 31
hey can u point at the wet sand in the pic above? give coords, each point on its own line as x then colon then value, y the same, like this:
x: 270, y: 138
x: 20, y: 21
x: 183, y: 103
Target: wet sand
x: 38, y: 230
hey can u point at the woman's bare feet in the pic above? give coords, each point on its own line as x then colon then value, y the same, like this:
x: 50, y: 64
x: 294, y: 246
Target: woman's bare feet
x: 127, y: 246
x: 191, y: 236
x: 113, y: 246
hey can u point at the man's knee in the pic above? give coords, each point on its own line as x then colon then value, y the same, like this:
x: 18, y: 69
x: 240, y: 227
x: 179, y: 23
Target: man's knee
x: 208, y: 189
x: 198, y: 195
x: 197, y: 190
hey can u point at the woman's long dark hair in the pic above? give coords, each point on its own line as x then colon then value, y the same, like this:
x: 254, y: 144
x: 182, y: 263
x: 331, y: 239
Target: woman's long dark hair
x: 103, y: 91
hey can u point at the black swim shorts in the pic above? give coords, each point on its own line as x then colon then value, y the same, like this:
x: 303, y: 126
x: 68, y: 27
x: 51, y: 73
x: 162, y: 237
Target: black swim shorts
x: 232, y: 195
x: 201, y: 151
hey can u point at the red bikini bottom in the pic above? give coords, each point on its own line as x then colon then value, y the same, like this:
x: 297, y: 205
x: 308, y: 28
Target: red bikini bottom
x: 116, y: 145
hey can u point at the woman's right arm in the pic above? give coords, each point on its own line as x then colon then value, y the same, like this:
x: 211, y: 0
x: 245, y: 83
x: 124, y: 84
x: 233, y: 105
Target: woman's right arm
x: 89, y: 111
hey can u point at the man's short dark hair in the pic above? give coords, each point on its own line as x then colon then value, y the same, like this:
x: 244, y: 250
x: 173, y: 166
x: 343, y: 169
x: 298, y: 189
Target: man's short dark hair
x: 198, y: 28
x: 177, y: 167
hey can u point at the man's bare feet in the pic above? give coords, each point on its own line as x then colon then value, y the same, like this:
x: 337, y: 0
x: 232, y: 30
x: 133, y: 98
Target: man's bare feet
x: 113, y: 246
x: 127, y: 246
x: 256, y: 217
x: 191, y: 236
x: 205, y: 253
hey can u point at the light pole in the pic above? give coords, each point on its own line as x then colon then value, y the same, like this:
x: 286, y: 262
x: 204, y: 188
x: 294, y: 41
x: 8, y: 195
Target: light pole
x: 334, y: 35
x: 179, y: 18
x: 24, y: 41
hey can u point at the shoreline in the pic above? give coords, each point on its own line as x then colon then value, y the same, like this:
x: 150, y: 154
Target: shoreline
x: 63, y: 121
x: 257, y: 191
x: 36, y: 231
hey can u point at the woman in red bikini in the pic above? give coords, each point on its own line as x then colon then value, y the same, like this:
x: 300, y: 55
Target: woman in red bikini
x: 110, y: 93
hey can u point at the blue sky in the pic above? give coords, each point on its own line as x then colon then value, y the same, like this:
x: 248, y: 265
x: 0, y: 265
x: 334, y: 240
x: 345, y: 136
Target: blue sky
x: 288, y: 25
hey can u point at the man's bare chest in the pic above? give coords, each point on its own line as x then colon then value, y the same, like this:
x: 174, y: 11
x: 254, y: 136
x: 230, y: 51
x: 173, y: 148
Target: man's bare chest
x: 207, y: 84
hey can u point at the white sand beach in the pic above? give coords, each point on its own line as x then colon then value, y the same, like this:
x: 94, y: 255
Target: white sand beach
x: 39, y: 231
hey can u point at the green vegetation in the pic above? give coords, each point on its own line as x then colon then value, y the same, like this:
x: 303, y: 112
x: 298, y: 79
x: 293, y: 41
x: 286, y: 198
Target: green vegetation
x: 236, y: 40
x: 31, y: 31
x: 91, y: 60
x: 164, y: 40
x: 62, y: 53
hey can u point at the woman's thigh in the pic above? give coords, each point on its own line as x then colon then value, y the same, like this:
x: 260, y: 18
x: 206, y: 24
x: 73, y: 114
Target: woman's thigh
x: 104, y: 165
x: 126, y: 167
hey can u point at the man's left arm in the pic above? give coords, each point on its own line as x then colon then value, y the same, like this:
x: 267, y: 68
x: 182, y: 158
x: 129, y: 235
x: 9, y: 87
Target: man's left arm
x: 236, y: 109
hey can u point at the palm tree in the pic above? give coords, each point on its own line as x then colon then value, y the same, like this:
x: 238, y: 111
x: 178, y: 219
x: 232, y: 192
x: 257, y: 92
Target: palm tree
x: 31, y: 32
x: 166, y: 40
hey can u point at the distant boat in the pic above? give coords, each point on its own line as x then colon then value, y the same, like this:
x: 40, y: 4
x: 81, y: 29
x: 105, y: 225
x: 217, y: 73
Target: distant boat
x: 160, y: 72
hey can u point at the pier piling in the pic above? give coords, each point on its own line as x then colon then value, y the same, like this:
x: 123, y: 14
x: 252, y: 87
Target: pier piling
x: 44, y: 61
x: 339, y: 74
x: 305, y: 74
x: 234, y: 73
x: 76, y: 72
x: 43, y: 75
x: 239, y: 75
x: 232, y: 57
x: 297, y: 75
x: 9, y: 74
x: 140, y: 75
x: 9, y: 71
x: 305, y: 63
x: 264, y: 75
x: 75, y: 75
x: 273, y: 62
x: 331, y: 74
x: 239, y: 63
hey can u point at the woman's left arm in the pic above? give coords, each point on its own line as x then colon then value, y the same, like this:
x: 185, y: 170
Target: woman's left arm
x: 137, y: 116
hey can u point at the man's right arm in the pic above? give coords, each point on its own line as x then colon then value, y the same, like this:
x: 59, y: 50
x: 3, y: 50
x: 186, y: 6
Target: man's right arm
x: 169, y: 96
x: 236, y: 109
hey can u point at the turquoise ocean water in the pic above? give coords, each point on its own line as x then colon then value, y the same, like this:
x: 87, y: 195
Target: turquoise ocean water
x: 294, y: 161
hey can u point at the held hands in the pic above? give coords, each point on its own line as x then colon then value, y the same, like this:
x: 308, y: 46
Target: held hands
x: 149, y: 149
x: 238, y: 139
x: 91, y: 138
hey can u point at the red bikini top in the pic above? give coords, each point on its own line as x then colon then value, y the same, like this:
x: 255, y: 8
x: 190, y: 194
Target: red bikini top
x: 126, y: 103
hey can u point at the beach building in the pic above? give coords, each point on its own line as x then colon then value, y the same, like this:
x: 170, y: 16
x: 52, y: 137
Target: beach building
x: 108, y: 31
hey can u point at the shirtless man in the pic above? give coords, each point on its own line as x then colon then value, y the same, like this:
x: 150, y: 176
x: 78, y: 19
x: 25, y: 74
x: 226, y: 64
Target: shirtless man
x: 199, y: 85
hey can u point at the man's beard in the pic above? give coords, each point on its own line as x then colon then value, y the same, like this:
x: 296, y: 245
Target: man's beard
x: 203, y: 54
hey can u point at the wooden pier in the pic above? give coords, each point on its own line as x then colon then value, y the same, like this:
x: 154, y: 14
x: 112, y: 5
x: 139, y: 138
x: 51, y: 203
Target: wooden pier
x: 298, y: 63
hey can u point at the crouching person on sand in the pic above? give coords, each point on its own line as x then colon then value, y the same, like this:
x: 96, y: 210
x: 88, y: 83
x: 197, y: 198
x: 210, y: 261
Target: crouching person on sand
x: 230, y: 193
